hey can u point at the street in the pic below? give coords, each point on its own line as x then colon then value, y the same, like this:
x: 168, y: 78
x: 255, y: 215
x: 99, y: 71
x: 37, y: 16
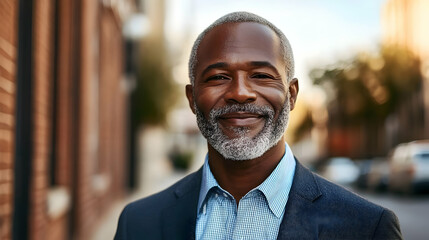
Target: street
x: 412, y: 211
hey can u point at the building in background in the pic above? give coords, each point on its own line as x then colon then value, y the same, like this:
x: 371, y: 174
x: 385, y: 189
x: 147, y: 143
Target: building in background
x: 405, y: 25
x: 63, y: 116
x: 8, y: 64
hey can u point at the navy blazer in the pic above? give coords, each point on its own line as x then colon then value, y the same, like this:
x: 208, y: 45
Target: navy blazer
x: 316, y: 209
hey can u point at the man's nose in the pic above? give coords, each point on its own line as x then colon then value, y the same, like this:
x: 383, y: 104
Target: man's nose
x: 240, y: 91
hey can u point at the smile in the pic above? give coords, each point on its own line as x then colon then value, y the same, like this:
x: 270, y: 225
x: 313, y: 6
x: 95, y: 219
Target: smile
x: 241, y: 119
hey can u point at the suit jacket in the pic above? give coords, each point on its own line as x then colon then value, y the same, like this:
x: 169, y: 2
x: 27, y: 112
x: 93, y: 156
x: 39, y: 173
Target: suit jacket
x: 316, y: 209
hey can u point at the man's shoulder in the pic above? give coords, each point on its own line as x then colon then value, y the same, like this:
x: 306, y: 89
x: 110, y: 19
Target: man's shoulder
x: 342, y: 197
x: 356, y: 212
x: 144, y: 217
x: 337, y: 212
x: 326, y: 192
x: 165, y: 198
x: 330, y: 200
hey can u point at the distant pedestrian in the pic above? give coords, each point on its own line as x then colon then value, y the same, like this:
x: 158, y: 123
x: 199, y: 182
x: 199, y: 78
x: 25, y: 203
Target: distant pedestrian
x: 251, y: 186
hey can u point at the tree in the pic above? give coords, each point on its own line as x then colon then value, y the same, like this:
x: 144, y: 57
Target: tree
x: 155, y: 93
x: 367, y: 89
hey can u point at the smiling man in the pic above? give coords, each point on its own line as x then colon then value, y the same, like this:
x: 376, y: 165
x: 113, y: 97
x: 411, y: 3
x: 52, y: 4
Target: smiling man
x: 250, y: 187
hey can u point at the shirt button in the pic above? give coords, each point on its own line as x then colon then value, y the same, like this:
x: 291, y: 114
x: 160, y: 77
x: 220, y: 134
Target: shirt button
x: 225, y: 195
x: 216, y: 195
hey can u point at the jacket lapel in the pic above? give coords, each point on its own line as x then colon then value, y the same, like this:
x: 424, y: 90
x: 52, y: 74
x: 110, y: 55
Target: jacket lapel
x: 179, y: 220
x: 296, y: 223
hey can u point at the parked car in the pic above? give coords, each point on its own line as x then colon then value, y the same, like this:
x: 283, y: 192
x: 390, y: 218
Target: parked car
x: 378, y: 175
x: 364, y: 167
x: 409, y: 167
x: 340, y: 170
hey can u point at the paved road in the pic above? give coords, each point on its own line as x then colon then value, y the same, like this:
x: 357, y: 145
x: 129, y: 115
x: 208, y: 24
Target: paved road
x: 412, y: 211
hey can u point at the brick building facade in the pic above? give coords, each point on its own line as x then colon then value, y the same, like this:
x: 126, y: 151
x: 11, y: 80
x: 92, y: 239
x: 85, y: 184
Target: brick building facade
x: 63, y: 116
x: 8, y: 52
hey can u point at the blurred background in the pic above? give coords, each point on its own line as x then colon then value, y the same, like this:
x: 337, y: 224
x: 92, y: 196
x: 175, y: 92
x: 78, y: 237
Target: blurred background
x: 93, y: 112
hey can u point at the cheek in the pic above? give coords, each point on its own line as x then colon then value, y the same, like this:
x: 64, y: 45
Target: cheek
x: 208, y: 98
x: 276, y: 97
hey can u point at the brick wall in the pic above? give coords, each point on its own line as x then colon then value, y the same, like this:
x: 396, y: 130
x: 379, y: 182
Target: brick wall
x: 102, y: 122
x: 8, y: 54
x: 42, y: 84
x: 113, y: 106
x: 88, y: 117
x: 79, y: 116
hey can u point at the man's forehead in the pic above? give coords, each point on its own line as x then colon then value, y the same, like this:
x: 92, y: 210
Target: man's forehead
x: 240, y: 32
x: 253, y: 41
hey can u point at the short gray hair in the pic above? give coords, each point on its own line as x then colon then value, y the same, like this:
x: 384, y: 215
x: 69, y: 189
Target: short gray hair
x: 244, y: 17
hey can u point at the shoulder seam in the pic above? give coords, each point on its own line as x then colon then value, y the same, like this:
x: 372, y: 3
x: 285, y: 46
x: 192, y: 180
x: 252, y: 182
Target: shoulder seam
x: 378, y: 223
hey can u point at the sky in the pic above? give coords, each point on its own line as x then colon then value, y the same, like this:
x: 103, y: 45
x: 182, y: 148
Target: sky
x: 320, y: 32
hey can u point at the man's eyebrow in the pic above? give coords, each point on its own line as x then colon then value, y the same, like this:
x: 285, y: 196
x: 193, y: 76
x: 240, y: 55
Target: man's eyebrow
x: 224, y: 65
x: 262, y: 64
x: 213, y: 66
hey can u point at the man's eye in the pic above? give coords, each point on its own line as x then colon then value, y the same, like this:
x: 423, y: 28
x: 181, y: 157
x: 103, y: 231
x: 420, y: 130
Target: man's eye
x: 217, y: 77
x: 262, y: 75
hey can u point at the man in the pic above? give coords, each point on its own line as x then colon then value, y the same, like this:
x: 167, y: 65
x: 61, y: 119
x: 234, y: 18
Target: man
x: 250, y: 186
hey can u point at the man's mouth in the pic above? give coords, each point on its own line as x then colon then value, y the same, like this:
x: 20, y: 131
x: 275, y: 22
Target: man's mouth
x: 240, y: 119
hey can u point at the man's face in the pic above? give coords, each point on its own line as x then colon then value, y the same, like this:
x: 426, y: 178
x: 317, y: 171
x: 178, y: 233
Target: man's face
x: 241, y: 95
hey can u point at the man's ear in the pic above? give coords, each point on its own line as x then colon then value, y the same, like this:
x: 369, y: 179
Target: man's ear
x: 190, y: 95
x: 293, y: 89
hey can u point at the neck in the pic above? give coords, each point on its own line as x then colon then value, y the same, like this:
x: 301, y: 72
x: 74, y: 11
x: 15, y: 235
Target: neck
x: 238, y: 177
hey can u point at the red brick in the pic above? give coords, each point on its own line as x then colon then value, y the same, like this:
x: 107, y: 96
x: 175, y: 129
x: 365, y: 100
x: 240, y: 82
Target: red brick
x: 100, y: 112
x: 7, y: 108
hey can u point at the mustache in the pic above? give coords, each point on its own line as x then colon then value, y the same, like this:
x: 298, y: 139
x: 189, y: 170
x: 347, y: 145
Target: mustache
x: 264, y: 111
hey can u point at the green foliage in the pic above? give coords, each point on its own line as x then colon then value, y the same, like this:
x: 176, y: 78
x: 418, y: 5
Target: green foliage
x: 155, y: 93
x: 181, y: 160
x: 369, y: 87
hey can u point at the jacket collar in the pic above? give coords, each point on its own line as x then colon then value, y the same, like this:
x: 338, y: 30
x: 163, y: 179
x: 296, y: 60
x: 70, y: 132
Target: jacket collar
x: 179, y: 220
x: 305, y: 190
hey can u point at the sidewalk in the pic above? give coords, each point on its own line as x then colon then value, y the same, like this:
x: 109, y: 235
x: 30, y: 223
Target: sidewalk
x: 155, y: 174
x: 107, y: 228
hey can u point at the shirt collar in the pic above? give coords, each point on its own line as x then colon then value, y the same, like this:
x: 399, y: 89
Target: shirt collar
x: 276, y: 187
x: 208, y: 182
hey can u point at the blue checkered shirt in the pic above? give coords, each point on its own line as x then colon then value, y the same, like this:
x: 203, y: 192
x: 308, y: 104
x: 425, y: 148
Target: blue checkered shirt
x: 259, y: 212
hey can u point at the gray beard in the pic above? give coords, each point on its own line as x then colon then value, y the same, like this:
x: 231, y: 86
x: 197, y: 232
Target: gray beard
x: 244, y: 147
